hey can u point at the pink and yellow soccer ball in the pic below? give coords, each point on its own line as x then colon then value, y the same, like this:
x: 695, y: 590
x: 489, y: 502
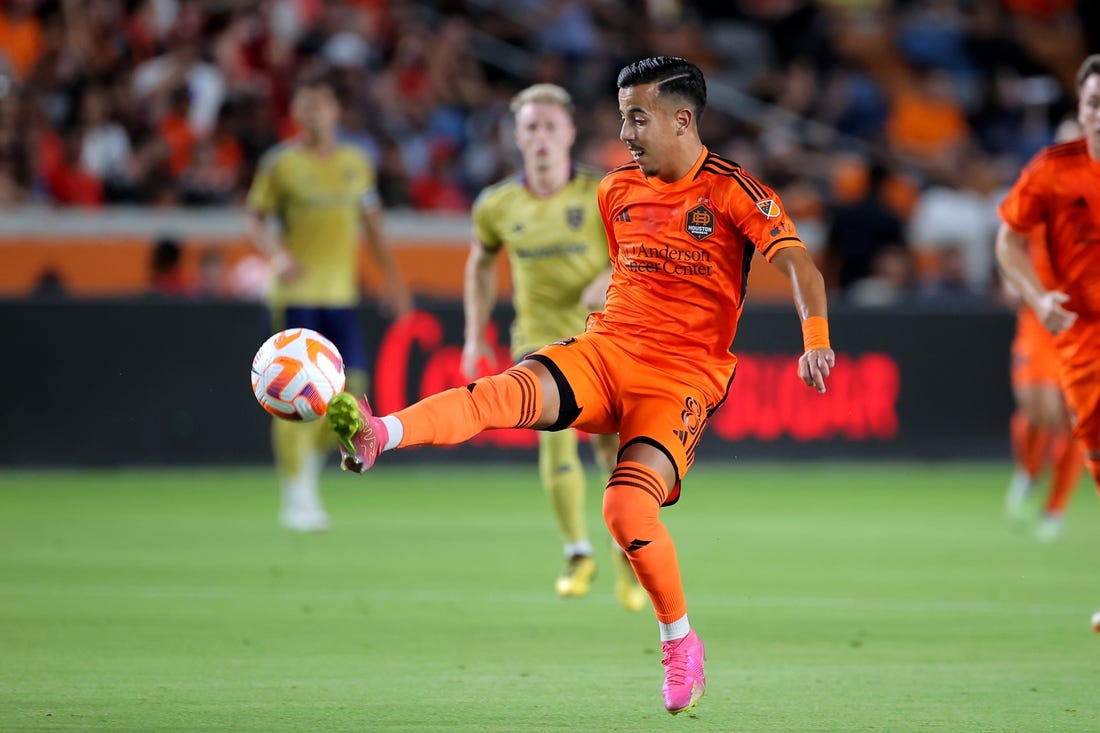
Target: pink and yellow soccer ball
x: 295, y: 373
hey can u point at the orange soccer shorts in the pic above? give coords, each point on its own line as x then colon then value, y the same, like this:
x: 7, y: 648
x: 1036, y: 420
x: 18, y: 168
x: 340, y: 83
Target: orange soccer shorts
x: 1082, y: 390
x: 1034, y: 357
x: 618, y: 393
x: 1079, y: 356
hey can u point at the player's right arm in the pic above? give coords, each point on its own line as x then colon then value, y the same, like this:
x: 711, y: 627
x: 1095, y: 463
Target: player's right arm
x: 479, y: 294
x: 808, y: 289
x: 263, y: 199
x: 1015, y: 263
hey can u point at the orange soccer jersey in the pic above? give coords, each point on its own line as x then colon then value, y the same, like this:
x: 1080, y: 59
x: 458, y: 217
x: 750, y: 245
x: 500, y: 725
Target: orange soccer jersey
x: 1060, y: 190
x: 681, y: 254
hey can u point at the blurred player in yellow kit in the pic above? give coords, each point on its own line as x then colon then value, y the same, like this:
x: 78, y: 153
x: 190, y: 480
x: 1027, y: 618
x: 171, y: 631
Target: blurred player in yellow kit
x: 547, y: 218
x: 323, y: 195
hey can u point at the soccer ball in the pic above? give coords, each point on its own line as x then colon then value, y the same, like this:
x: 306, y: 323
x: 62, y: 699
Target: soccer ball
x: 295, y: 374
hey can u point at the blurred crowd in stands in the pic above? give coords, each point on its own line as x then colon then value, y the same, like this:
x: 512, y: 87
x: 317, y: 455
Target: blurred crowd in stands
x: 890, y: 127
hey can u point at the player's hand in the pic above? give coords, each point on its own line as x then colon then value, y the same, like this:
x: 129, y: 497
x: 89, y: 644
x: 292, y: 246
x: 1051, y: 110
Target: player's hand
x: 478, y: 359
x: 814, y: 367
x: 287, y: 267
x: 1051, y: 314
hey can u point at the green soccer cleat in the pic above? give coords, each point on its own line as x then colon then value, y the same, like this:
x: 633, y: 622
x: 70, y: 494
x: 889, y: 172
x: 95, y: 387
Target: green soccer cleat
x: 361, y: 434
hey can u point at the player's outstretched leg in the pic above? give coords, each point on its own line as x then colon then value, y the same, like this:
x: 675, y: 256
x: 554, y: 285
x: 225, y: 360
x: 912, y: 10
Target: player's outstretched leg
x: 511, y: 399
x: 361, y: 434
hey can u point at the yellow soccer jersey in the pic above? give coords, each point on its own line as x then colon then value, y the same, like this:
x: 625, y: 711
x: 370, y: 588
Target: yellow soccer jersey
x: 318, y: 200
x: 556, y: 247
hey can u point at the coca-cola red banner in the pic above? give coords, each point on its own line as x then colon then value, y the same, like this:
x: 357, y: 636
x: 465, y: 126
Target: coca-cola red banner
x: 166, y: 383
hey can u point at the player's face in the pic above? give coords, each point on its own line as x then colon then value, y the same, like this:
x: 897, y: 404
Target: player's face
x: 1088, y: 113
x: 650, y: 127
x: 544, y: 133
x: 316, y: 110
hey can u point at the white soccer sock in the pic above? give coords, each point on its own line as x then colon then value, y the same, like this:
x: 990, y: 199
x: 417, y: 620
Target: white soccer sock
x: 314, y: 464
x: 678, y: 629
x: 395, y: 430
x: 580, y: 547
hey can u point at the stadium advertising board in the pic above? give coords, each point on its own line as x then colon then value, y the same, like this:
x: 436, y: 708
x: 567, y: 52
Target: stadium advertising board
x: 165, y: 382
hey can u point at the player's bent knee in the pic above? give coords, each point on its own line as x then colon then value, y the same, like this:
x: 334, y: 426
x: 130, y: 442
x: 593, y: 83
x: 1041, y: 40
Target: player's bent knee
x: 561, y: 410
x: 631, y: 504
x: 630, y: 513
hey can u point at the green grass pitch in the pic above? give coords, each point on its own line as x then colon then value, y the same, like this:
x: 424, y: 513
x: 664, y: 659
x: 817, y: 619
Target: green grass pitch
x: 841, y: 597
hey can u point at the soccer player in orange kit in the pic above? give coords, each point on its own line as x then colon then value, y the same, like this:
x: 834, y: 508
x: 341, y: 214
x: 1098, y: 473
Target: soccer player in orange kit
x: 682, y: 225
x: 1060, y: 188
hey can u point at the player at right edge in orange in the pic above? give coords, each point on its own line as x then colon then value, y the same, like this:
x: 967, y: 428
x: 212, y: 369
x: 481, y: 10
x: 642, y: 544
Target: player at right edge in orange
x: 682, y: 226
x: 1040, y: 427
x: 1060, y: 189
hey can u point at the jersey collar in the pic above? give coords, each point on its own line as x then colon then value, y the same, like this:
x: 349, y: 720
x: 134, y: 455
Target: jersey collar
x: 660, y: 185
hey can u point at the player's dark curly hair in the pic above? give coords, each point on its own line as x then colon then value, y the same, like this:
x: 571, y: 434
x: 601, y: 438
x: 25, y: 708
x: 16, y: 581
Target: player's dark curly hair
x: 672, y: 75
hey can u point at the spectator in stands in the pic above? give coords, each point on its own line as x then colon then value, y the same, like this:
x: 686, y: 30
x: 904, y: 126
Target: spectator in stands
x: 959, y: 215
x: 12, y: 193
x: 948, y: 285
x: 927, y: 127
x: 175, y: 130
x: 183, y: 66
x: 105, y: 147
x: 860, y: 223
x: 889, y: 283
x: 213, y: 175
x: 20, y: 38
x: 68, y: 181
x: 167, y: 274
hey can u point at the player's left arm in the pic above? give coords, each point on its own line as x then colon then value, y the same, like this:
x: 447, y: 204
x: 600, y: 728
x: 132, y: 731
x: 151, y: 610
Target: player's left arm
x: 395, y: 293
x: 808, y: 287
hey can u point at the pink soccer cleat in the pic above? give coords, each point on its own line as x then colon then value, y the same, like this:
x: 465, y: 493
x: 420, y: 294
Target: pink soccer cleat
x: 684, y: 679
x: 361, y: 434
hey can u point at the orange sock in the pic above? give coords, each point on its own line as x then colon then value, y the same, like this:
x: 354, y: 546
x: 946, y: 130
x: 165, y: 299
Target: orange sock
x: 631, y: 505
x: 1068, y: 462
x: 1029, y: 444
x: 511, y: 399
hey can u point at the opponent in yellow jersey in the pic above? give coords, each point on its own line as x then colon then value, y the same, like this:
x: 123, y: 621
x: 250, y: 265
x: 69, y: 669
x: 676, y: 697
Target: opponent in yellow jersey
x: 324, y: 198
x: 547, y: 220
x: 556, y: 249
x: 683, y: 225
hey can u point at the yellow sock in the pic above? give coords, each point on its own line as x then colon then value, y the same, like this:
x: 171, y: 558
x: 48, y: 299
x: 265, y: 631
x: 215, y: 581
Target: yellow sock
x: 291, y: 442
x: 298, y: 464
x: 563, y: 479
